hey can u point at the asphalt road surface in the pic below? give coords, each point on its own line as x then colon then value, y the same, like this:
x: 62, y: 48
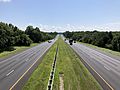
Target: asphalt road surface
x: 107, y: 66
x: 13, y: 68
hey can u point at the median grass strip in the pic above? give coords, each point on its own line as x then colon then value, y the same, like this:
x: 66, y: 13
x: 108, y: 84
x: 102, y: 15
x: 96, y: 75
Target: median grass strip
x: 18, y: 49
x: 75, y: 75
x: 39, y: 78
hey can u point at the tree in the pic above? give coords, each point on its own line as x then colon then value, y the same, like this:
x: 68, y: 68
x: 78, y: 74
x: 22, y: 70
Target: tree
x: 10, y: 35
x: 23, y: 40
x: 37, y: 36
x: 116, y: 43
x: 68, y: 34
x: 86, y: 38
x: 34, y: 34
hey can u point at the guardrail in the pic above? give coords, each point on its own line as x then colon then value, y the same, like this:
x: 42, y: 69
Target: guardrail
x: 52, y: 73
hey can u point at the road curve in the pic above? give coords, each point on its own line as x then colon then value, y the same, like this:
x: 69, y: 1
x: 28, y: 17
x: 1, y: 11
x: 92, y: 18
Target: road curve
x: 106, y: 66
x: 13, y: 68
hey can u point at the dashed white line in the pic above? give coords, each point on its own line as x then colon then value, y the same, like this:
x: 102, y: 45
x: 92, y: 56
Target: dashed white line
x: 10, y: 72
x: 107, y: 68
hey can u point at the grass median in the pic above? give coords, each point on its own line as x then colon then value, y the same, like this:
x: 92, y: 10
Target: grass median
x: 75, y: 74
x: 39, y: 78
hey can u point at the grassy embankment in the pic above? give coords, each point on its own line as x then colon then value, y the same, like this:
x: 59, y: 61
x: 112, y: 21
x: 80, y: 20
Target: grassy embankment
x: 17, y: 50
x: 76, y: 76
x: 105, y: 50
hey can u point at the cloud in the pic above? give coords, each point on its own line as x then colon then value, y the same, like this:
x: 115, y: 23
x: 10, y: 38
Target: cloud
x: 5, y: 0
x: 68, y: 27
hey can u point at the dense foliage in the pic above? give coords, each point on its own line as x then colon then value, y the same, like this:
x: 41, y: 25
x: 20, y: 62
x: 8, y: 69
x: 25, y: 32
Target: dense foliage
x: 37, y: 36
x: 11, y: 35
x: 109, y: 40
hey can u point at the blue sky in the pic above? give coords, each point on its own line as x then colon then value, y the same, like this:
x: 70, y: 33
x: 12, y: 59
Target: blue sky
x: 62, y: 15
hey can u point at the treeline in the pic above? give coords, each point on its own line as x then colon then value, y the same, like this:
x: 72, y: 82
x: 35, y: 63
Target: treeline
x: 11, y: 35
x: 110, y: 40
x: 38, y: 36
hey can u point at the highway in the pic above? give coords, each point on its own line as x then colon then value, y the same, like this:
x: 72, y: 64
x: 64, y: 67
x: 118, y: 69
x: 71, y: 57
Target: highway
x: 106, y: 66
x: 11, y: 69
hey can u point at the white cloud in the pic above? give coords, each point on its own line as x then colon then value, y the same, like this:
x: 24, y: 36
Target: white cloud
x: 69, y: 27
x: 5, y: 0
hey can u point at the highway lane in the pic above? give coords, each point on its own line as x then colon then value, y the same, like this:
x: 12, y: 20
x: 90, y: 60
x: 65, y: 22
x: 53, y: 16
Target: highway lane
x: 12, y: 69
x: 107, y: 66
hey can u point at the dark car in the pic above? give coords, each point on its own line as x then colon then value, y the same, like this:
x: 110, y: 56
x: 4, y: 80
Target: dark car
x: 49, y: 41
x: 71, y: 41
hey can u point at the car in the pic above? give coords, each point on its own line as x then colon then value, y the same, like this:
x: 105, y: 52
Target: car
x: 49, y: 41
x: 71, y: 41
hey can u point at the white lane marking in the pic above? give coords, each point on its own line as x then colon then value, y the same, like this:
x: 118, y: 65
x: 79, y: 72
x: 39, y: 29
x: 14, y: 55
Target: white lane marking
x: 10, y: 72
x: 107, y: 68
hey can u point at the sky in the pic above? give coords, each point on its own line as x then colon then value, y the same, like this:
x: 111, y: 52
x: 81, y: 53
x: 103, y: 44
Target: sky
x: 62, y: 15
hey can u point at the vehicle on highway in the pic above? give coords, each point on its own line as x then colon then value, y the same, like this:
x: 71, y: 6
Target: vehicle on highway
x: 49, y: 41
x: 71, y: 41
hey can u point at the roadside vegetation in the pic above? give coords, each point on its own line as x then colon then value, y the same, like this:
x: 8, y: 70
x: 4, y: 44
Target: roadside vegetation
x: 17, y: 50
x: 11, y: 36
x: 39, y: 78
x: 75, y: 74
x: 110, y: 40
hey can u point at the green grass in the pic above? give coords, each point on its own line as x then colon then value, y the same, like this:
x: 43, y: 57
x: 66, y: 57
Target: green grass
x: 105, y: 50
x: 76, y: 76
x: 39, y: 78
x: 17, y: 50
